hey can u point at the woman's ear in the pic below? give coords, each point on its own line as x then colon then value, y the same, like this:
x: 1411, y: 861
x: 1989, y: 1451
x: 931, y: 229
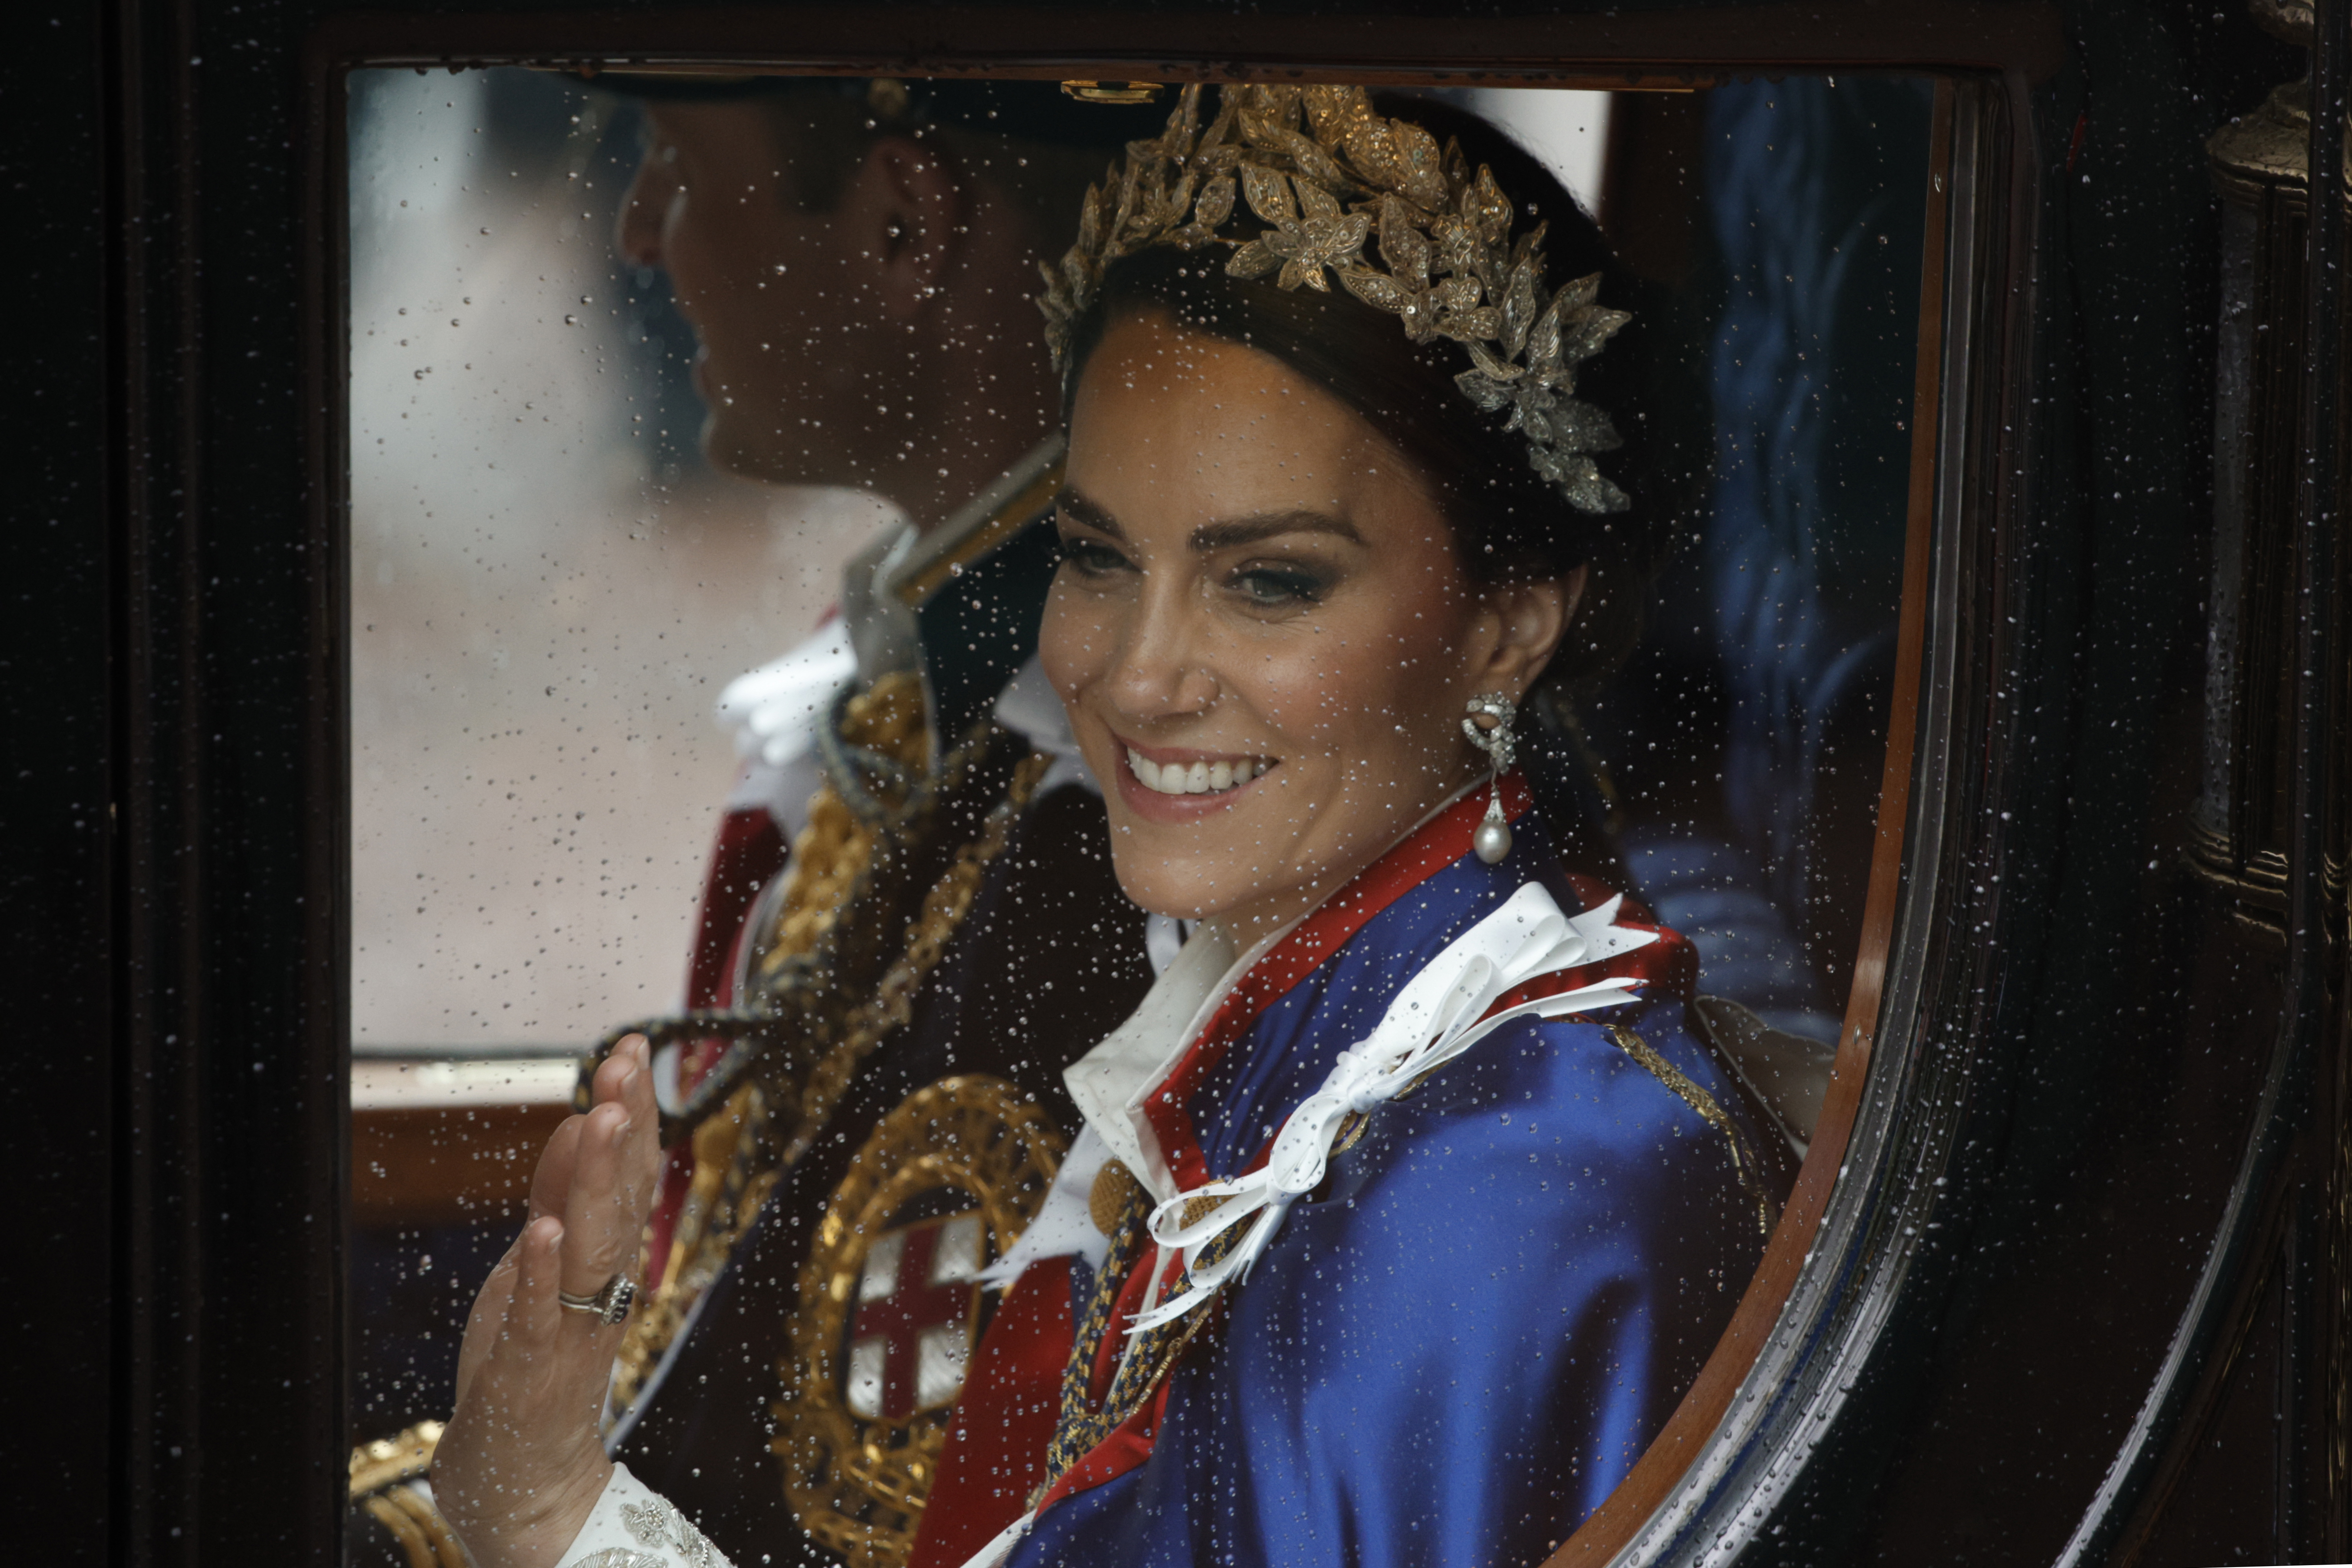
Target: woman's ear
x: 1532, y: 616
x: 899, y: 221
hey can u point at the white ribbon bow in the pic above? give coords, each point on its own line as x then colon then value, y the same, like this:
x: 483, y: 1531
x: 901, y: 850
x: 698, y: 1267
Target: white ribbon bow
x: 1437, y: 1017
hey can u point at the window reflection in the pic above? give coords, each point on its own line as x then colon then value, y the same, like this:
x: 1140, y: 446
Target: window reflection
x: 550, y: 588
x: 1747, y: 734
x: 568, y: 540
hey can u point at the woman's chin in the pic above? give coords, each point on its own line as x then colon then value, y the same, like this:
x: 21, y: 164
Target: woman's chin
x: 1189, y: 900
x: 1179, y: 886
x: 1227, y: 891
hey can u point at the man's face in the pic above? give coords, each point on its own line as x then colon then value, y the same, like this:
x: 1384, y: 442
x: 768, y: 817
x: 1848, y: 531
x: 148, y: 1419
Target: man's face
x: 763, y: 284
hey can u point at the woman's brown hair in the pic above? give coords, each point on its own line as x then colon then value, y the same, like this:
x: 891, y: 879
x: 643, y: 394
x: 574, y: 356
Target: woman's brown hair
x: 1509, y: 520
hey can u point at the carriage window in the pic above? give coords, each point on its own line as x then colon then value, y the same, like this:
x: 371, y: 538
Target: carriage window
x: 706, y: 465
x: 550, y: 587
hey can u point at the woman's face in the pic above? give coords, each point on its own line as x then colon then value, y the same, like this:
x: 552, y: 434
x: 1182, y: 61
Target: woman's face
x: 1262, y: 630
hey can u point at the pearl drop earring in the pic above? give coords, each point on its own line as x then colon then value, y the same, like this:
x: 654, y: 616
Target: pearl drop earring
x: 1488, y: 725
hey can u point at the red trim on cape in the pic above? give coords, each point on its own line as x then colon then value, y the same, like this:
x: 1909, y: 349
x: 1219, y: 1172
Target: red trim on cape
x: 749, y: 851
x: 995, y: 1452
x: 1429, y: 849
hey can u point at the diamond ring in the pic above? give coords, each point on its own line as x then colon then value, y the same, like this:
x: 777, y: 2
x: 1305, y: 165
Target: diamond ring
x: 611, y: 1303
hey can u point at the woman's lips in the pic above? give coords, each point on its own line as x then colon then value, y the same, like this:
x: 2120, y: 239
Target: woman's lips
x: 1197, y: 777
x: 1184, y: 786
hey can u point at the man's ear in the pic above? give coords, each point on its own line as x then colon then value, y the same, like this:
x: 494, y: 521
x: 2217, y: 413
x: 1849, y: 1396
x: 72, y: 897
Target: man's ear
x: 899, y: 222
x: 1532, y: 618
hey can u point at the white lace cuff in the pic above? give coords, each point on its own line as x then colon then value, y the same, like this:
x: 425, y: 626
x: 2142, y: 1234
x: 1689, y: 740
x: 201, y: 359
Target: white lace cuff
x: 635, y: 1527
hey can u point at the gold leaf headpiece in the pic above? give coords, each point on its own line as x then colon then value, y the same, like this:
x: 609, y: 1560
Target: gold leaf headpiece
x: 1324, y: 173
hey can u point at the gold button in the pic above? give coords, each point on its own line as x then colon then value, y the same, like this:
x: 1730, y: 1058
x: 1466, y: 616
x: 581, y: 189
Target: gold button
x: 1113, y: 1191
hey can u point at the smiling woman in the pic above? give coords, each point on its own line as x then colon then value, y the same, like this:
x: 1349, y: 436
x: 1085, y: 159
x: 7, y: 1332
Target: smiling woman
x: 1408, y: 1203
x: 1258, y: 581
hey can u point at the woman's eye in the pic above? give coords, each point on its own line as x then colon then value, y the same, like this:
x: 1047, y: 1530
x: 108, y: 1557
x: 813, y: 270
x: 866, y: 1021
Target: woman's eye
x: 1091, y: 557
x: 1272, y: 585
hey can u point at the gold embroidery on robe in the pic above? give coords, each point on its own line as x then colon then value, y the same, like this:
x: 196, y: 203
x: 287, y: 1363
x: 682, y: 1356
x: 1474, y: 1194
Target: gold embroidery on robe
x: 888, y: 1306
x: 742, y: 1150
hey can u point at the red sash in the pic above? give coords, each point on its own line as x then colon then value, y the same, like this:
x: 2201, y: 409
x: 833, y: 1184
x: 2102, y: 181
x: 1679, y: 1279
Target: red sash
x: 749, y: 854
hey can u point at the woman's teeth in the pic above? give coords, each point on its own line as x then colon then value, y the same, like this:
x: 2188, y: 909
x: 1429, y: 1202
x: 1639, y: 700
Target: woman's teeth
x: 1195, y: 778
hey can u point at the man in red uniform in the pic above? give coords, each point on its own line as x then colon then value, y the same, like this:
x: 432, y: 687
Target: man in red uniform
x: 862, y: 299
x: 911, y: 890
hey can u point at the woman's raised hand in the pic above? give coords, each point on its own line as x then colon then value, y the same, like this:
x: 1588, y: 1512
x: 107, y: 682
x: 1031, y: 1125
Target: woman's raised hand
x: 521, y: 1465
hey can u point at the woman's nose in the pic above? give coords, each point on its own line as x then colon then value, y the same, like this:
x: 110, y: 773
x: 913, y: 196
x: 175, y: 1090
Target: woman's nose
x: 1161, y: 672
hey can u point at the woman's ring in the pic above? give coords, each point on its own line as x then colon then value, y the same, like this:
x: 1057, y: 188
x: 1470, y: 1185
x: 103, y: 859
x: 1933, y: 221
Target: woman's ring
x: 611, y: 1303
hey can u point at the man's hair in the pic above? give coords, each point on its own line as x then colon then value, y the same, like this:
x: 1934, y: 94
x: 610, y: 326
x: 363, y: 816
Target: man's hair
x: 821, y: 143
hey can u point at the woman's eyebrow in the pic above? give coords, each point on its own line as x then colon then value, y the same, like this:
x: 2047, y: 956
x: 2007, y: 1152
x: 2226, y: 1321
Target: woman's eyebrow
x: 1079, y: 509
x: 1211, y: 536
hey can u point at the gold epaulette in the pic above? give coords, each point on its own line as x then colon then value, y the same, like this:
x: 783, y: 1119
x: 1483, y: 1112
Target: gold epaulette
x: 829, y: 854
x: 384, y: 1474
x: 735, y: 1161
x: 741, y: 1152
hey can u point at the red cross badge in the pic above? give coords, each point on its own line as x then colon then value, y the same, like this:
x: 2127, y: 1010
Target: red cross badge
x: 888, y: 1307
x: 918, y: 1299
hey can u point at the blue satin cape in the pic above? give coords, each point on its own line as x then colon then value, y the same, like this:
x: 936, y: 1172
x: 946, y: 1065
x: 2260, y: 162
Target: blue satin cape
x: 1454, y: 1349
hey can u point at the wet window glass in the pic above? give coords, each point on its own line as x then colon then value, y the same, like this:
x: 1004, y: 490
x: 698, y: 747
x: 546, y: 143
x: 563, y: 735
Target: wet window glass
x: 1030, y: 774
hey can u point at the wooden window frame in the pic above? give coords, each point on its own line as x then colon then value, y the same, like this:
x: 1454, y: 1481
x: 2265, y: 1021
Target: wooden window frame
x: 1809, y: 1327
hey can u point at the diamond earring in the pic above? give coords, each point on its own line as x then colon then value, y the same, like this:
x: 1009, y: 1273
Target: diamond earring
x: 1488, y: 726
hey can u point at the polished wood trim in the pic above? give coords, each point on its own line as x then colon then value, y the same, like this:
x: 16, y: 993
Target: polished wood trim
x: 2211, y: 1379
x: 1657, y: 47
x: 1613, y: 1524
x: 446, y: 1164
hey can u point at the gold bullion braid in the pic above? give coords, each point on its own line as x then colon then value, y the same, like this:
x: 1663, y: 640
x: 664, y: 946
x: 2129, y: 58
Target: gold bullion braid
x: 384, y: 1481
x: 1743, y: 1162
x: 415, y: 1547
x: 1080, y: 1425
x: 944, y: 907
x: 389, y: 1460
x: 738, y: 1153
